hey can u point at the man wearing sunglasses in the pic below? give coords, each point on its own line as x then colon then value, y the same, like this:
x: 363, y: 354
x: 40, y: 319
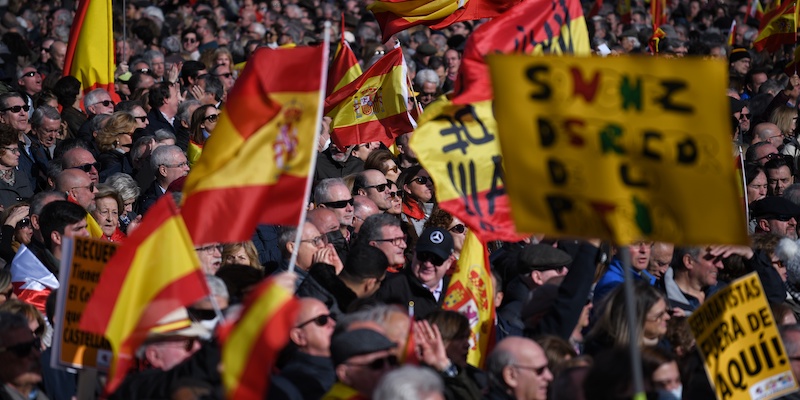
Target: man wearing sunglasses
x: 425, y: 282
x: 372, y: 183
x: 332, y: 193
x: 776, y: 215
x: 97, y: 102
x: 361, y: 358
x: 14, y: 112
x: 21, y: 369
x: 309, y: 368
x: 30, y: 83
x: 518, y: 369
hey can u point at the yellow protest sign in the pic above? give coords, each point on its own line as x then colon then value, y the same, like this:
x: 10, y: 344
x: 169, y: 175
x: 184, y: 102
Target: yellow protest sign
x: 623, y: 148
x: 739, y: 341
x: 81, y: 265
x: 457, y: 145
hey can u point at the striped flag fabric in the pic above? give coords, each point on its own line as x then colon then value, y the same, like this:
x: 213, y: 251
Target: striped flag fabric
x: 344, y: 68
x: 250, y: 346
x: 470, y: 293
x: 732, y: 34
x: 90, y: 51
x: 658, y: 12
x: 397, y: 15
x: 255, y: 166
x: 142, y: 283
x: 374, y: 107
x: 777, y: 28
x: 31, y: 279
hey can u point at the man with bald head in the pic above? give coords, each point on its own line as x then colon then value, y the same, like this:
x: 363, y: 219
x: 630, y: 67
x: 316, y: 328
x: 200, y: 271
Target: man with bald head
x: 768, y: 132
x: 518, y: 370
x: 77, y: 185
x: 82, y: 159
x: 363, y: 207
x: 328, y: 224
x: 372, y: 183
x: 310, y: 368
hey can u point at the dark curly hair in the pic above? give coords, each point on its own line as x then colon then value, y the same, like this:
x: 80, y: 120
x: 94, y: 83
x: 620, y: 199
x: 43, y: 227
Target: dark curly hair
x: 439, y: 218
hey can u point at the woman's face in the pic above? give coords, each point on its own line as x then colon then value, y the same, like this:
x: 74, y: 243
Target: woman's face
x: 392, y: 172
x: 24, y: 231
x: 459, y: 232
x: 190, y: 42
x: 7, y: 293
x: 779, y: 266
x: 237, y: 257
x: 106, y: 213
x: 129, y: 205
x: 655, y: 323
x: 397, y: 200
x: 457, y: 350
x: 757, y: 189
x: 421, y: 187
x: 125, y: 142
x: 10, y: 156
x: 210, y: 121
x: 223, y: 59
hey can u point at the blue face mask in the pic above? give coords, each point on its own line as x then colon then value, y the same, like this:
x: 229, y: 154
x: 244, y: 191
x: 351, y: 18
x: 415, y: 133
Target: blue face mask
x: 674, y: 394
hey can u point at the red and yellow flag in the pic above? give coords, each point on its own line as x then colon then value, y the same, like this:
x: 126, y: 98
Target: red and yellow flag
x: 777, y: 28
x: 90, y: 52
x: 142, y: 283
x: 531, y: 27
x: 398, y: 15
x: 251, y: 345
x: 254, y: 167
x: 471, y: 293
x: 344, y: 68
x: 732, y: 34
x: 658, y: 12
x: 374, y: 107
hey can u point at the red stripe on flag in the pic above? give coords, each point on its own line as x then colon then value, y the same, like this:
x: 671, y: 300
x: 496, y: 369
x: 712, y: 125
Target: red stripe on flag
x: 383, y: 130
x: 490, y: 228
x: 77, y: 25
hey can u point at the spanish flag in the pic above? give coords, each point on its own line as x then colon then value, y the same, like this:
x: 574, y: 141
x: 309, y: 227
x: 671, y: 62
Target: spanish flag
x: 142, y: 283
x: 250, y: 346
x: 777, y: 28
x: 374, y: 107
x: 531, y: 27
x: 254, y: 167
x: 471, y: 293
x: 397, y: 15
x: 344, y: 68
x: 658, y: 12
x: 90, y: 52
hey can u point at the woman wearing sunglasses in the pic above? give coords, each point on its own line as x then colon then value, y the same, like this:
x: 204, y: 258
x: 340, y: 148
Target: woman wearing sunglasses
x: 443, y: 219
x: 419, y: 196
x: 15, y: 185
x: 115, y: 140
x: 204, y: 120
x: 17, y: 230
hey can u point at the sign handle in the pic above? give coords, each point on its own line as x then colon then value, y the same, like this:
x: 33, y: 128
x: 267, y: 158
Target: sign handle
x: 87, y: 383
x: 633, y: 328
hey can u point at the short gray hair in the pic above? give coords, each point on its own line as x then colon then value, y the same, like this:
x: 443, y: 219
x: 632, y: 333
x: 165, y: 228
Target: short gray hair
x: 164, y: 134
x: 372, y: 227
x: 162, y: 155
x: 125, y: 185
x: 322, y: 190
x: 151, y: 55
x: 217, y: 286
x: 183, y: 110
x: 91, y: 98
x: 425, y: 76
x: 37, y: 119
x: 408, y: 383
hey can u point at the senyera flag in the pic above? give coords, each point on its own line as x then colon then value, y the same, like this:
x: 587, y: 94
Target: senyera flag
x: 154, y: 272
x: 531, y: 27
x: 374, y: 107
x: 90, y: 51
x: 397, y: 15
x: 251, y: 345
x: 471, y: 293
x: 344, y: 68
x: 255, y: 166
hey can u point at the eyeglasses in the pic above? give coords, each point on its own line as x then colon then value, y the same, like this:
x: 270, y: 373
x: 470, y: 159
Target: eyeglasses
x: 778, y: 264
x: 427, y: 94
x: 380, y: 52
x: 14, y: 150
x: 422, y: 180
x: 189, y: 40
x: 198, y: 314
x: 143, y: 70
x: 141, y: 119
x: 320, y: 320
x: 425, y: 256
x: 16, y: 109
x: 23, y: 223
x: 770, y: 156
x: 29, y: 74
x: 396, y: 193
x: 211, y: 118
x: 88, y: 167
x: 536, y: 370
x: 380, y: 363
x: 226, y: 75
x: 105, y: 103
x: 744, y: 116
x: 181, y: 165
x: 318, y: 241
x: 90, y: 187
x: 659, y: 317
x: 339, y: 204
x: 397, y: 241
x: 460, y: 228
x: 380, y: 188
x: 209, y: 248
x: 23, y: 350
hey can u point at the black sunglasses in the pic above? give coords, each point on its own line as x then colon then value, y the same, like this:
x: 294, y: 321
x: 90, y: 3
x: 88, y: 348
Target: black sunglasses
x: 105, y: 103
x: 422, y: 180
x: 339, y: 204
x: 430, y: 257
x: 23, y: 350
x: 16, y: 109
x: 380, y: 188
x: 396, y: 193
x: 380, y: 363
x: 321, y: 320
x: 460, y: 228
x: 141, y: 119
x: 198, y: 314
x: 29, y: 74
x: 227, y: 75
x: 88, y: 167
x: 143, y: 70
x: 781, y: 217
x: 24, y: 223
x: 212, y: 118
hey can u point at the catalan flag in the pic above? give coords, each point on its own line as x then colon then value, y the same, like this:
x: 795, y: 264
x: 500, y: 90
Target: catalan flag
x: 471, y: 293
x: 397, y: 15
x: 777, y: 28
x: 344, y: 68
x: 90, y: 52
x: 658, y: 12
x: 374, y: 107
x: 254, y: 167
x: 251, y: 345
x: 531, y: 27
x: 142, y: 283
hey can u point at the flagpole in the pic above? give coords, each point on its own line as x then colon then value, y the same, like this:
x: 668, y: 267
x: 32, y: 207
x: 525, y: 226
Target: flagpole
x: 633, y: 328
x: 313, y: 164
x: 124, y: 29
x: 744, y: 184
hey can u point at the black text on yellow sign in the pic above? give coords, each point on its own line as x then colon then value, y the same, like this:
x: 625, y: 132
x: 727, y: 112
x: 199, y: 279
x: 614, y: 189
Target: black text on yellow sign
x: 620, y: 148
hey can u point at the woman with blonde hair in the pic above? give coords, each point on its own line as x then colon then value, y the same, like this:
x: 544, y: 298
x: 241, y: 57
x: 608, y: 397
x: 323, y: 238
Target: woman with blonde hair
x: 243, y: 253
x: 786, y: 119
x: 115, y: 140
x: 29, y: 311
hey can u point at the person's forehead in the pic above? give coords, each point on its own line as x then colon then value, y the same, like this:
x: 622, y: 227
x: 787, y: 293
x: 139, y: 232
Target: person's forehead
x: 340, y: 191
x: 391, y: 230
x: 310, y: 231
x: 28, y: 69
x: 14, y: 101
x: 375, y: 177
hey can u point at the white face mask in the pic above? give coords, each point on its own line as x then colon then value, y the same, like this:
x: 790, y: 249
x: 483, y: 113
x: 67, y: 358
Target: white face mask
x: 674, y: 394
x: 211, y: 324
x: 327, y: 144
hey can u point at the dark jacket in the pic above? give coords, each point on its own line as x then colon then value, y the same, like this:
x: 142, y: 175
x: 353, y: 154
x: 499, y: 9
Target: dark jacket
x: 312, y: 376
x: 327, y: 167
x: 113, y: 161
x: 74, y: 119
x: 182, y: 135
x: 21, y: 190
x: 148, y: 198
x: 311, y: 288
x: 326, y: 276
x: 403, y: 287
x: 157, y: 121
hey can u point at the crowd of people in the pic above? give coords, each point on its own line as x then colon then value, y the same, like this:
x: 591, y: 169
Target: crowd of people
x: 376, y: 253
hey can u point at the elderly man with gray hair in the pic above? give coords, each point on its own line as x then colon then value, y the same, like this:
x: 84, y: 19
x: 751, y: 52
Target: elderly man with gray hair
x: 168, y: 163
x: 46, y: 128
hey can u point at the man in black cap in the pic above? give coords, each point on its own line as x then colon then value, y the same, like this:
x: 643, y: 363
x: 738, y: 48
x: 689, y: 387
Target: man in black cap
x: 776, y: 215
x: 424, y: 283
x: 361, y: 357
x: 739, y: 62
